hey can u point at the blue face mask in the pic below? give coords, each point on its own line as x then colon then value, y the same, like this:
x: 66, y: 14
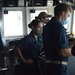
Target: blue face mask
x: 63, y: 22
x: 37, y: 31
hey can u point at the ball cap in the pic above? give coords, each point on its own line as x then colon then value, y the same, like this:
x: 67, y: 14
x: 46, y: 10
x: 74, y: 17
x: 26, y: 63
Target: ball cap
x: 44, y: 14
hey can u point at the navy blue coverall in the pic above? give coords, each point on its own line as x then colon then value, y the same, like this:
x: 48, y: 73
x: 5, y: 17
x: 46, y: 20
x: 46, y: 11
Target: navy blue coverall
x: 30, y: 48
x: 55, y: 39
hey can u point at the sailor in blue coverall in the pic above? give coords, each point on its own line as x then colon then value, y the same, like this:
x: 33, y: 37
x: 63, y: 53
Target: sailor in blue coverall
x: 56, y: 42
x: 28, y: 51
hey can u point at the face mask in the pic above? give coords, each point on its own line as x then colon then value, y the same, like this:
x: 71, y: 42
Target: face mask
x: 37, y: 31
x: 64, y: 22
x: 46, y: 20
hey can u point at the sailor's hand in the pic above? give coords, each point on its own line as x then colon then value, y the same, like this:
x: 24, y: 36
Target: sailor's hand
x: 29, y: 61
x: 70, y: 35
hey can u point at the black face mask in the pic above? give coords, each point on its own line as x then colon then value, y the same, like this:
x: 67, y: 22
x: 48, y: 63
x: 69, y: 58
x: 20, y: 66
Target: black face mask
x: 37, y: 31
x: 47, y: 20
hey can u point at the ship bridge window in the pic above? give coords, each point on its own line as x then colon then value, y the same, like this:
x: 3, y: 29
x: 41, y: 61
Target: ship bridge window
x: 73, y: 28
x: 13, y: 25
x: 33, y: 15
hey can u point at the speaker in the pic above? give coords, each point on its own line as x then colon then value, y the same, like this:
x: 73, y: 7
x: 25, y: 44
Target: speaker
x: 10, y: 3
x: 40, y: 2
x: 37, y: 2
